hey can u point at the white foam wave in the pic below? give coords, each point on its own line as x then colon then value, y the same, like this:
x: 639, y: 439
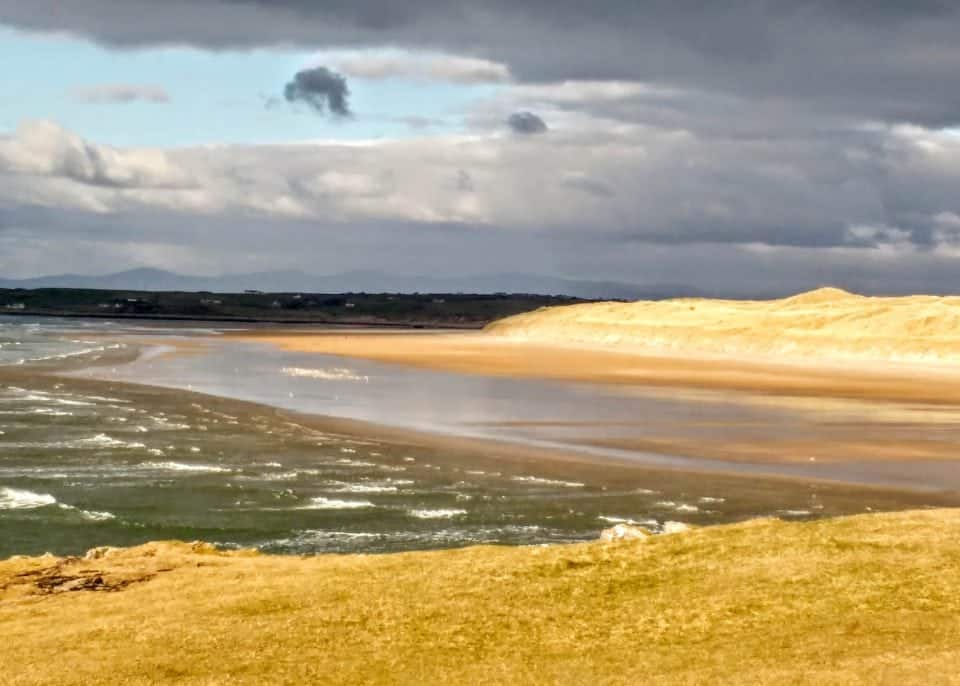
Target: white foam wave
x: 437, y: 514
x: 321, y: 503
x: 679, y: 507
x: 548, y: 482
x: 47, y: 411
x: 183, y: 467
x: 355, y: 463
x: 73, y: 403
x: 628, y: 520
x: 89, y: 515
x: 341, y: 487
x: 17, y: 499
x: 331, y: 374
x: 95, y: 516
x: 99, y: 441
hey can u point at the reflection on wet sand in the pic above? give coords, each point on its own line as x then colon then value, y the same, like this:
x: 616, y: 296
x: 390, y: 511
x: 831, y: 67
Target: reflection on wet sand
x: 703, y: 429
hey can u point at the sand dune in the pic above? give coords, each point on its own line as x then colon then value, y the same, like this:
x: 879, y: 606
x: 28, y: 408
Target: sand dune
x: 825, y: 324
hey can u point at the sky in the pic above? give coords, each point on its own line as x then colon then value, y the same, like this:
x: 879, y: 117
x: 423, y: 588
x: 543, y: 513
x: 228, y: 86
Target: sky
x: 745, y: 147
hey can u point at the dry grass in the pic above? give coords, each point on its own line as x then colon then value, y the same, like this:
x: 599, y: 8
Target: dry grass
x: 870, y: 599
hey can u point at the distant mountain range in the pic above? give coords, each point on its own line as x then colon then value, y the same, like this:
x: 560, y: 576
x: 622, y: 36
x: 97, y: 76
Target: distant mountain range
x: 355, y: 282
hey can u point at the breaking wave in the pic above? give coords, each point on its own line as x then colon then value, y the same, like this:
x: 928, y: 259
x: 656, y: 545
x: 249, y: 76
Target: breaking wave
x: 17, y: 499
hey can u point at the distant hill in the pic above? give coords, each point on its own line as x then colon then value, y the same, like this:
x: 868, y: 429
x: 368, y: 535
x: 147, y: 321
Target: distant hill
x: 354, y: 281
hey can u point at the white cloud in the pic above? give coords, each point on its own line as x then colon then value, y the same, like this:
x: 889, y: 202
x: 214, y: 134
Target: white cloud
x: 596, y: 182
x: 402, y: 64
x: 44, y: 148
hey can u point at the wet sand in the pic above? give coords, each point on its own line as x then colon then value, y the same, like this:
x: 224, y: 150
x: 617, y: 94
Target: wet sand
x: 602, y: 471
x: 474, y: 353
x: 859, y: 423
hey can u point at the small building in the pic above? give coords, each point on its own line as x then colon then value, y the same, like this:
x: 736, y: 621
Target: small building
x: 16, y: 306
x: 350, y: 306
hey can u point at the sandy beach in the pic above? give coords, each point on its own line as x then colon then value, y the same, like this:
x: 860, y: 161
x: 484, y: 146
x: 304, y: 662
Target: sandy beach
x: 477, y: 353
x: 798, y: 353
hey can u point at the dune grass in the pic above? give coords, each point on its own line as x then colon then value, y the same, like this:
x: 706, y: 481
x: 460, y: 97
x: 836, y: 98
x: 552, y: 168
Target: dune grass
x: 868, y: 599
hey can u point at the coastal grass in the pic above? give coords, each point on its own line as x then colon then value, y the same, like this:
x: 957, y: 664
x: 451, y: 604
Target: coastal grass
x: 868, y: 599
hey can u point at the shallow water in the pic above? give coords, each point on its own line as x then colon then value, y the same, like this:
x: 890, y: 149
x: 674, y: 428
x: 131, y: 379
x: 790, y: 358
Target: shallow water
x: 86, y: 463
x: 614, y: 421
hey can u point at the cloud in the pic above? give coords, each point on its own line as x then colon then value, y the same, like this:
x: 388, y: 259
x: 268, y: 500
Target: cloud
x: 107, y: 94
x: 435, y: 67
x: 584, y: 183
x: 526, y: 123
x: 586, y: 202
x: 880, y: 61
x: 43, y: 148
x: 465, y: 182
x: 321, y: 89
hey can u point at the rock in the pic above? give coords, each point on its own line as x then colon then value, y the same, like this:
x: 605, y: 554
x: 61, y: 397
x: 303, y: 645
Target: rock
x: 624, y: 532
x: 98, y: 553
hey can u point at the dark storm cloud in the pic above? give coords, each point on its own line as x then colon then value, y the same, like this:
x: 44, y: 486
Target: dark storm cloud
x: 889, y: 61
x: 321, y: 89
x: 526, y: 123
x: 775, y: 141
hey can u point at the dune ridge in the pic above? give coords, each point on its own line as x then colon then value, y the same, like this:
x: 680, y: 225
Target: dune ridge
x: 827, y: 323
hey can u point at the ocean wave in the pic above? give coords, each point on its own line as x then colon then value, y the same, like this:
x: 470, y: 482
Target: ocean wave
x: 679, y: 507
x: 794, y: 513
x: 98, y: 441
x: 321, y: 503
x: 437, y: 514
x: 46, y: 411
x: 316, y: 540
x: 73, y: 403
x: 355, y: 463
x: 628, y: 520
x: 548, y: 482
x: 183, y: 467
x: 389, y: 486
x: 331, y: 374
x: 89, y: 515
x: 95, y: 516
x: 17, y: 499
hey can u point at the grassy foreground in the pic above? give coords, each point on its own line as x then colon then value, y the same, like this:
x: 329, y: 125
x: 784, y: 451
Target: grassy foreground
x: 868, y: 599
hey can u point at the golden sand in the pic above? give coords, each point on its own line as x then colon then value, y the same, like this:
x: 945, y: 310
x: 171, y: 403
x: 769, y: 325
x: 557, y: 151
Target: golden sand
x: 863, y: 600
x: 492, y: 354
x: 826, y: 324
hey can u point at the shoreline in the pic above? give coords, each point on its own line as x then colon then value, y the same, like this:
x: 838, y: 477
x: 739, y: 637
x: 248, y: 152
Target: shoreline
x: 488, y: 355
x: 346, y: 323
x: 553, y: 461
x: 582, y: 458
